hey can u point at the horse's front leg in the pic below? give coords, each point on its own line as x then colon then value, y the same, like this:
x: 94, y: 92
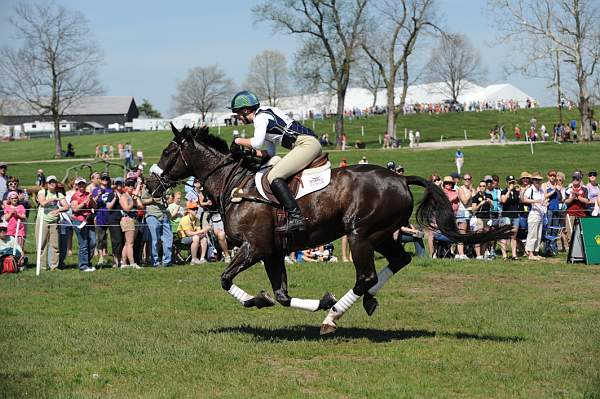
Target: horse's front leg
x: 275, y: 268
x: 243, y: 259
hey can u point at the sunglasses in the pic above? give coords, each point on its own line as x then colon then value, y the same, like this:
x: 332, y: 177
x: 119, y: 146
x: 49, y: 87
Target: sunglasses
x: 466, y: 178
x: 482, y: 186
x: 552, y: 175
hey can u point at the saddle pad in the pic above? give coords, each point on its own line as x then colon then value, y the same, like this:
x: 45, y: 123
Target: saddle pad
x: 311, y: 180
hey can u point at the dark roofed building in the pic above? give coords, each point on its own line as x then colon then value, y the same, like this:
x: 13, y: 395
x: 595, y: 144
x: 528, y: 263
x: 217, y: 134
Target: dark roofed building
x: 103, y: 110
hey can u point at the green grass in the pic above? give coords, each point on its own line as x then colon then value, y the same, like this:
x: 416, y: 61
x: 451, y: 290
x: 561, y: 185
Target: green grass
x: 443, y: 329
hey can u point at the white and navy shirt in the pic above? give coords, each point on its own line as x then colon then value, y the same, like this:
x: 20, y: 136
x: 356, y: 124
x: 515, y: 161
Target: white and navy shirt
x: 270, y: 123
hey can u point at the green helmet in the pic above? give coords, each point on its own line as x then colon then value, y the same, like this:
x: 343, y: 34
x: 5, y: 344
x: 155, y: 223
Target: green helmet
x: 244, y: 99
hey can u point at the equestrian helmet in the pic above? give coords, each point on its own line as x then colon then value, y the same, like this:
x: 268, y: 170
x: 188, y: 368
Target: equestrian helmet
x: 244, y: 99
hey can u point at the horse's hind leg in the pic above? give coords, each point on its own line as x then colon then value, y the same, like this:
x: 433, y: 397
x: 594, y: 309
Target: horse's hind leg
x: 275, y: 268
x: 366, y: 277
x: 397, y: 257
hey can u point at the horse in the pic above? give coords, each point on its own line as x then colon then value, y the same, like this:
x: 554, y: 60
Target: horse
x: 365, y: 202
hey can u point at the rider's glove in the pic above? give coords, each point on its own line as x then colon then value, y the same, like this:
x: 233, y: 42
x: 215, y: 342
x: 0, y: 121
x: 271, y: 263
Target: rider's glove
x: 236, y: 150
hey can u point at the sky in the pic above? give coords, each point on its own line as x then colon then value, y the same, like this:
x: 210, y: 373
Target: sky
x: 150, y: 46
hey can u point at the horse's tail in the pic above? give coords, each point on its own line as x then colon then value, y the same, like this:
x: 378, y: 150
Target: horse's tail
x: 435, y: 212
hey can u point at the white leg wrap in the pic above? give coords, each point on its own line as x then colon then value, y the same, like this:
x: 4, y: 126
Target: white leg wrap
x: 382, y: 277
x: 239, y: 294
x: 340, y: 307
x: 305, y: 304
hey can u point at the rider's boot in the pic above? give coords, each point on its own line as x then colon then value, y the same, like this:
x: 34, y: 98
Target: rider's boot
x: 296, y: 222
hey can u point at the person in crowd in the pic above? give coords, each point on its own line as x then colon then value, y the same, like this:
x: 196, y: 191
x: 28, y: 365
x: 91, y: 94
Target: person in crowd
x: 535, y: 197
x: 100, y: 197
x: 577, y: 201
x: 554, y: 198
x: 121, y: 150
x: 436, y: 179
x: 496, y: 209
x: 524, y: 182
x: 128, y: 156
x: 509, y: 197
x: 451, y: 193
x: 13, y: 186
x: 391, y: 165
x: 94, y: 182
x: 518, y: 134
x: 159, y: 224
x: 343, y: 163
x: 363, y: 161
x: 65, y: 226
x: 176, y: 211
x: 456, y: 179
x: 3, y: 179
x: 111, y: 152
x: 593, y: 189
x: 114, y: 216
x: 417, y: 138
x: 463, y: 214
x: 560, y: 187
x: 400, y: 170
x: 459, y: 159
x: 51, y: 204
x: 13, y: 213
x: 97, y: 154
x: 128, y: 200
x: 191, y: 232
x: 40, y: 178
x: 9, y: 246
x: 82, y: 204
x: 215, y: 223
x: 140, y: 156
x: 481, y: 203
x: 410, y: 233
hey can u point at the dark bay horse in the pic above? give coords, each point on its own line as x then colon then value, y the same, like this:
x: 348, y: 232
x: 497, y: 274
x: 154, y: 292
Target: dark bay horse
x: 365, y: 202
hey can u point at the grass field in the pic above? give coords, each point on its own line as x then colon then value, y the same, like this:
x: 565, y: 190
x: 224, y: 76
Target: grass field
x: 443, y: 329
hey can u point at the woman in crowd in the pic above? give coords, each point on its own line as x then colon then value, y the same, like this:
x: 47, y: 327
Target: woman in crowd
x: 81, y: 205
x: 509, y: 198
x: 51, y: 203
x: 114, y: 220
x: 13, y: 185
x: 13, y: 213
x: 128, y: 200
x: 465, y: 194
x: 176, y: 211
x: 481, y: 204
x: 100, y: 196
x: 535, y: 197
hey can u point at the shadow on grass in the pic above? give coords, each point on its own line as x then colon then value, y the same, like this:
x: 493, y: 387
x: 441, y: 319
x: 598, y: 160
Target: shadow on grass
x: 311, y: 333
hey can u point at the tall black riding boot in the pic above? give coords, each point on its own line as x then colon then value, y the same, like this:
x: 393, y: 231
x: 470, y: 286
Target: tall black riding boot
x: 296, y: 221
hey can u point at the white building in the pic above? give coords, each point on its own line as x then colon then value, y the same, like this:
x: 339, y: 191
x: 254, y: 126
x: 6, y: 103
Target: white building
x: 33, y: 127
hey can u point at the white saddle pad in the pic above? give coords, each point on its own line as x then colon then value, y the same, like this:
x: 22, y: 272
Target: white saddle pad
x: 314, y: 179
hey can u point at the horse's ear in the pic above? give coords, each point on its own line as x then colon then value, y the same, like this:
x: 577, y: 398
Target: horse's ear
x: 176, y: 132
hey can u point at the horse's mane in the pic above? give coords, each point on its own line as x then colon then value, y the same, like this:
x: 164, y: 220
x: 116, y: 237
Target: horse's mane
x: 202, y: 135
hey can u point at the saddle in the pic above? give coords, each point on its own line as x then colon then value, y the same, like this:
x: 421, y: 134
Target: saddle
x: 295, y: 182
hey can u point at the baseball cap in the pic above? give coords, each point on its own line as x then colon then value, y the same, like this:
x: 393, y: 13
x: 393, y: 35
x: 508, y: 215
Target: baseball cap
x: 105, y: 176
x: 132, y: 175
x: 487, y: 178
x: 191, y: 205
x: 119, y: 180
x: 80, y: 180
x: 399, y: 167
x: 391, y: 165
x: 455, y: 175
x: 50, y: 178
x: 577, y: 175
x: 510, y: 178
x: 3, y: 164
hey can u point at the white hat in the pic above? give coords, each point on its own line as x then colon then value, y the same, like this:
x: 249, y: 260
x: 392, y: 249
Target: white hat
x: 80, y: 179
x: 51, y: 177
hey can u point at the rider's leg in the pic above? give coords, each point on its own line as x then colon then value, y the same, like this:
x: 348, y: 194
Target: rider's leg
x: 275, y: 268
x: 366, y: 277
x: 305, y: 150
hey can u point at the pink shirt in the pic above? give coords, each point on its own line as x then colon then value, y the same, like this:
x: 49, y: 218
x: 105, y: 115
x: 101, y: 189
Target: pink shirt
x: 12, y: 221
x: 81, y: 198
x: 452, y: 195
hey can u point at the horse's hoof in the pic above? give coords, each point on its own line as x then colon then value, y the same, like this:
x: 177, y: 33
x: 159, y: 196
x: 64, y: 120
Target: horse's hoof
x: 263, y: 300
x: 370, y: 304
x: 327, y: 329
x: 327, y: 301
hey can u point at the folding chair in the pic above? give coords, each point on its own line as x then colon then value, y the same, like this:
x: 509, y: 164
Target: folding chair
x: 442, y: 246
x: 179, y: 258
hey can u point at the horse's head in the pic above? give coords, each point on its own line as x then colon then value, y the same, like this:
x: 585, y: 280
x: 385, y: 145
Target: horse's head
x: 181, y: 158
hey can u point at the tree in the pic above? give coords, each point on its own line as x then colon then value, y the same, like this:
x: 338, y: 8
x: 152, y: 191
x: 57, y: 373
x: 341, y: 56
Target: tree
x: 392, y: 38
x: 204, y: 90
x: 454, y: 62
x: 369, y: 76
x: 333, y: 30
x: 55, y: 65
x: 146, y: 109
x: 268, y: 76
x: 542, y: 28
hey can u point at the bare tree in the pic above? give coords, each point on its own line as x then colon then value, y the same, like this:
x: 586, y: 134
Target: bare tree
x: 332, y: 29
x: 454, y: 63
x: 204, y: 90
x: 368, y: 76
x: 568, y: 27
x: 396, y: 29
x: 55, y: 65
x: 268, y: 76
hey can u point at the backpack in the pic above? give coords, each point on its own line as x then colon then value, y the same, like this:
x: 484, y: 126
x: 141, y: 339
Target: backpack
x: 9, y: 264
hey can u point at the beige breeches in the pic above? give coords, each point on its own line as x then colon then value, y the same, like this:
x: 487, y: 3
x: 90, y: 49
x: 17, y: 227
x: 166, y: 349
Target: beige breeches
x: 305, y: 150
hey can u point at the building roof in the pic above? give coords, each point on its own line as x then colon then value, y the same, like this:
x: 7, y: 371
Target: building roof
x: 93, y: 105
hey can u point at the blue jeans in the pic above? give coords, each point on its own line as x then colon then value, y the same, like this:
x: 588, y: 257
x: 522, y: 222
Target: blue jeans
x: 160, y: 229
x: 64, y: 231
x: 419, y: 247
x: 86, y: 238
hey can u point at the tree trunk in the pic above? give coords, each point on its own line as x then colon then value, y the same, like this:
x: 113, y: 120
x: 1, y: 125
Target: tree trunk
x: 374, y: 100
x: 391, y: 112
x: 586, y: 118
x: 339, y: 118
x: 57, y: 138
x: 404, y: 87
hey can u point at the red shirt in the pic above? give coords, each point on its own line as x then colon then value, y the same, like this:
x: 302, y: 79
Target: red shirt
x: 80, y: 215
x: 577, y: 208
x: 452, y: 195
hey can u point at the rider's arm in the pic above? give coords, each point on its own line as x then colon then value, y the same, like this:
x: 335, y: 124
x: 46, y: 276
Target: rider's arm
x: 261, y: 122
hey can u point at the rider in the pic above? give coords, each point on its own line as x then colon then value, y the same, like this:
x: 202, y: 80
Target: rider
x: 271, y: 127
